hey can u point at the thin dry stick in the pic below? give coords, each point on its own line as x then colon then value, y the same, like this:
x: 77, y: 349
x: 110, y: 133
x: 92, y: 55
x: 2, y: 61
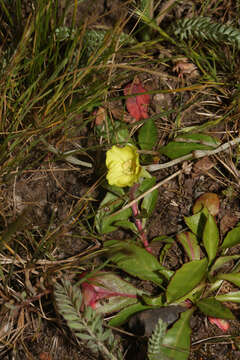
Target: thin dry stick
x: 197, y: 154
x: 148, y: 192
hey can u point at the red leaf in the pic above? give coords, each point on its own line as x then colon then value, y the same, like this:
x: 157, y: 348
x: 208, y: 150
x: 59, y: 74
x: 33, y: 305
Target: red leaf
x: 137, y: 106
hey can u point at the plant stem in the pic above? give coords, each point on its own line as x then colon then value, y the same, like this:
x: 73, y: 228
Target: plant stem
x: 137, y: 221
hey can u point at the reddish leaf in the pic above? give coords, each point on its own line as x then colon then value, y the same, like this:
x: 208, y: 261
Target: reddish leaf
x: 137, y: 106
x: 210, y: 201
x: 221, y: 323
x: 98, y: 287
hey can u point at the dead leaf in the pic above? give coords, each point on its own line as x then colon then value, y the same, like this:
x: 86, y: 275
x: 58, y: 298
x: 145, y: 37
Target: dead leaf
x: 227, y: 223
x: 203, y: 165
x: 45, y: 356
x: 101, y: 115
x: 137, y: 105
x: 184, y: 67
x: 210, y: 201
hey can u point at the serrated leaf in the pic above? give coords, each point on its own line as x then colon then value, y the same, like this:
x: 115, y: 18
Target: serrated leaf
x: 177, y: 339
x: 232, y: 277
x: 155, y: 342
x: 135, y: 260
x: 232, y: 238
x: 83, y: 336
x: 175, y: 149
x: 123, y: 315
x: 233, y: 296
x: 212, y: 307
x: 211, y: 237
x: 74, y: 325
x: 186, y: 279
x: 190, y: 244
x: 148, y: 135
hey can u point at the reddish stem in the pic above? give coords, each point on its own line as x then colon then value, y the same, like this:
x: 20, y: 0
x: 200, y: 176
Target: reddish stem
x: 138, y: 222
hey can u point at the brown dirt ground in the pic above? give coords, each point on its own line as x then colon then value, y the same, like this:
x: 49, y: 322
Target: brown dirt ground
x: 55, y: 187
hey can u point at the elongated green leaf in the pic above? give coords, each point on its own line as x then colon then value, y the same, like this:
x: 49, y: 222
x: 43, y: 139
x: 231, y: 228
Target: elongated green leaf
x: 199, y: 138
x: 105, y: 222
x: 153, y: 301
x: 211, y: 237
x: 186, y: 279
x: 135, y: 260
x: 197, y: 221
x: 232, y: 238
x: 176, y: 343
x: 175, y: 149
x: 126, y: 224
x: 232, y: 277
x: 212, y: 307
x: 190, y: 244
x: 123, y: 315
x: 147, y: 135
x: 233, y: 296
x: 150, y: 200
x: 222, y: 260
x: 111, y: 282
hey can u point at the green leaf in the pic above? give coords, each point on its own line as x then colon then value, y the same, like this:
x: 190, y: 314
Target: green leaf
x: 186, y: 279
x: 103, y: 219
x: 126, y: 224
x: 123, y: 315
x: 155, y: 342
x: 233, y: 296
x: 166, y: 273
x: 147, y: 135
x: 232, y: 277
x: 175, y: 149
x: 211, y: 237
x: 199, y: 138
x: 190, y: 244
x: 212, y: 307
x: 222, y: 260
x: 153, y: 301
x: 150, y: 200
x: 114, y: 283
x: 177, y: 339
x: 232, y: 238
x: 135, y: 260
x: 196, y: 222
x: 168, y: 241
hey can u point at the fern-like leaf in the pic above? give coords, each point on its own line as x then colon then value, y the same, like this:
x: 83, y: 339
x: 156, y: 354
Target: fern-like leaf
x: 156, y: 340
x: 87, y: 326
x: 204, y: 28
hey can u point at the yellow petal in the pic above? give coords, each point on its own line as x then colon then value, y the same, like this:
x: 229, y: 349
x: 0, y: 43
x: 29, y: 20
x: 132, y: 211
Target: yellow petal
x: 123, y: 166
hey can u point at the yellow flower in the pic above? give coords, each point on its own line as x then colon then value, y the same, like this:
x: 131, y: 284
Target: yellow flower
x: 123, y: 166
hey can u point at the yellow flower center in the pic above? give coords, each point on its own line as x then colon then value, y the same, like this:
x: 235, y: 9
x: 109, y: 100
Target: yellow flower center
x: 128, y: 167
